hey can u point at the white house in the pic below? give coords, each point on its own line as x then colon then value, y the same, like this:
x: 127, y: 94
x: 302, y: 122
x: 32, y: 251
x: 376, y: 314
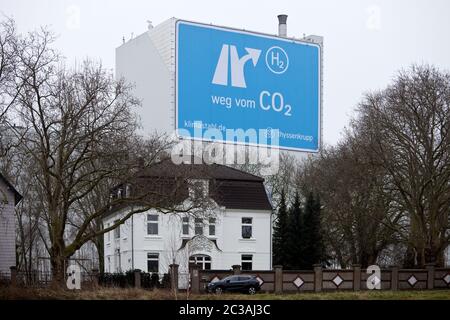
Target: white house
x: 9, y: 198
x: 237, y: 231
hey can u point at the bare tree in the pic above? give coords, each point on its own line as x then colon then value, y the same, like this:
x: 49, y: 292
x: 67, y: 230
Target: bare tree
x: 148, y: 152
x: 80, y: 135
x: 9, y: 89
x: 358, y: 222
x: 408, y: 127
x: 8, y: 64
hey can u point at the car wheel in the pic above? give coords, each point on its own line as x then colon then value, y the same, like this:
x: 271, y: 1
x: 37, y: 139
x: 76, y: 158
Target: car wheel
x: 251, y: 290
x: 218, y: 290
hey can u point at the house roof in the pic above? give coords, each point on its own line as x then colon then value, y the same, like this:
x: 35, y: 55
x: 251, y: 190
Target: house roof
x: 167, y: 168
x: 229, y: 187
x: 235, y: 194
x: 17, y: 195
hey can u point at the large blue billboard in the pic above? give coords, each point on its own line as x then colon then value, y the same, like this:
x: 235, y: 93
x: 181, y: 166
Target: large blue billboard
x: 229, y: 79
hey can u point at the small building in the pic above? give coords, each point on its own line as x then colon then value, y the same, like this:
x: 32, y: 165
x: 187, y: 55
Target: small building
x: 9, y: 198
x: 236, y: 230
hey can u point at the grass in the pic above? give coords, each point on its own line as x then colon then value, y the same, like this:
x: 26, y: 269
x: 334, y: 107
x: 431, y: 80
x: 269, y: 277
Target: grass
x: 140, y: 294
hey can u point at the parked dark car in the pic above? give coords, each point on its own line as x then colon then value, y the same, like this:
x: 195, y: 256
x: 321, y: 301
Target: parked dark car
x: 240, y: 283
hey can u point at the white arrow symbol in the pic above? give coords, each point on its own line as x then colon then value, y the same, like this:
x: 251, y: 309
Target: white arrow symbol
x: 254, y: 55
x: 237, y: 65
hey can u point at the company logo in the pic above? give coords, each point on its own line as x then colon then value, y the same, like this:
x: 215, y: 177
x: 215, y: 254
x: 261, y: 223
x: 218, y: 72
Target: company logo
x: 237, y: 66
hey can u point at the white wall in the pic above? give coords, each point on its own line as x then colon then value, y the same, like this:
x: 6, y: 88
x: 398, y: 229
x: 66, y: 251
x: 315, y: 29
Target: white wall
x: 228, y: 235
x: 7, y: 229
x: 148, y: 63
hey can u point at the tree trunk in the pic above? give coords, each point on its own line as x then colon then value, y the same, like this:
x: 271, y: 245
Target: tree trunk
x: 59, y: 265
x: 435, y: 255
x: 100, y: 253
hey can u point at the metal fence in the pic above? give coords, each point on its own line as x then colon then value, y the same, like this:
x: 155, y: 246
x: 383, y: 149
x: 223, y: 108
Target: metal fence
x: 39, y: 279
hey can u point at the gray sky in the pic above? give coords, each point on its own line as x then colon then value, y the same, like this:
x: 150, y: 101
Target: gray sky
x: 366, y: 41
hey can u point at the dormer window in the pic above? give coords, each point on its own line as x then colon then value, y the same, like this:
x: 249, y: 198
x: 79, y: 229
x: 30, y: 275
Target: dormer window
x: 198, y: 226
x: 212, y: 226
x: 198, y: 189
x: 186, y: 226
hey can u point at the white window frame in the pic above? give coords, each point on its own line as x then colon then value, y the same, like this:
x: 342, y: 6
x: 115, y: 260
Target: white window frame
x: 117, y: 230
x: 212, y: 223
x: 199, y: 225
x: 152, y: 222
x: 245, y: 224
x: 108, y: 234
x: 201, y: 260
x: 153, y: 259
x: 246, y: 260
x: 185, y: 223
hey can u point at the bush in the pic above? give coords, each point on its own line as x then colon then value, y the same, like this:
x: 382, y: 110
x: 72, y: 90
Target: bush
x: 155, y: 280
x: 118, y: 279
x: 126, y: 280
x: 165, y: 283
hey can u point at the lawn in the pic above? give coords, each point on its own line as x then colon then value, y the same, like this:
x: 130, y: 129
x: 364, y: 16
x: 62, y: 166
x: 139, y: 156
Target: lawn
x: 139, y: 294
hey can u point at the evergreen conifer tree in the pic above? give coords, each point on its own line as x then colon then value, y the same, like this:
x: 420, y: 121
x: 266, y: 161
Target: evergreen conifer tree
x: 294, y: 241
x: 312, y: 236
x: 280, y: 233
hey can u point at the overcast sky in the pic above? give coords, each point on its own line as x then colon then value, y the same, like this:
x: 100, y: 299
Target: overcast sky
x: 366, y: 41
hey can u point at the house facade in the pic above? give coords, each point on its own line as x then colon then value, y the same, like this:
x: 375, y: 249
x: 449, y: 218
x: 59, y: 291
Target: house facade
x: 236, y: 230
x: 9, y: 198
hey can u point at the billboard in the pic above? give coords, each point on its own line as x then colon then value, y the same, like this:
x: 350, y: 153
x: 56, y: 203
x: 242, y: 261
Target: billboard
x: 230, y: 79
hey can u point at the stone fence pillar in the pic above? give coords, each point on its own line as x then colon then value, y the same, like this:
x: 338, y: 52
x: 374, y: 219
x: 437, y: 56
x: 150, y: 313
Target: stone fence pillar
x: 394, y: 278
x: 95, y: 278
x: 13, y: 271
x: 236, y: 269
x: 174, y: 276
x: 278, y: 279
x: 195, y: 278
x: 430, y: 275
x: 318, y: 276
x: 137, y: 278
x: 356, y: 277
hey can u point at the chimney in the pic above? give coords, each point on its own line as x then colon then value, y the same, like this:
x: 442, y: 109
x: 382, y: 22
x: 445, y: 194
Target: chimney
x: 282, y: 26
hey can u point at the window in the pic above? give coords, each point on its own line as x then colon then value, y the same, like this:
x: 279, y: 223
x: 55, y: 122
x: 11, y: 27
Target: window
x: 152, y: 224
x: 212, y: 226
x: 117, y: 261
x: 108, y: 234
x: 246, y: 228
x: 185, y: 225
x: 198, y: 226
x: 117, y: 231
x: 247, y: 262
x: 153, y: 262
x: 203, y: 261
x: 198, y: 189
